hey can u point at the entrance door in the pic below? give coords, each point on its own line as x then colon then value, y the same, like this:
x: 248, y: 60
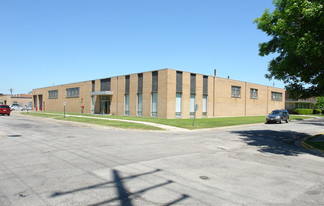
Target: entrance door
x: 40, y: 100
x: 104, y: 105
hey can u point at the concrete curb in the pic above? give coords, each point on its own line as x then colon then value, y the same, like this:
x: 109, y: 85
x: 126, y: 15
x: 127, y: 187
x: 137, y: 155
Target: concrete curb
x: 309, y: 147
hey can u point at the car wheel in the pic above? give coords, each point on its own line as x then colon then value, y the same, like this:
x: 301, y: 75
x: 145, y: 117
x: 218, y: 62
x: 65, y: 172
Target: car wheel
x: 287, y: 120
x: 280, y: 122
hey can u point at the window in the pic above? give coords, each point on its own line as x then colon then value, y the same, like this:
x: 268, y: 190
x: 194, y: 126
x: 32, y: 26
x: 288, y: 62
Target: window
x: 204, y: 106
x: 139, y: 104
x: 93, y: 85
x: 72, y: 92
x: 253, y: 93
x: 276, y: 96
x: 236, y: 91
x: 126, y: 104
x: 178, y: 104
x: 192, y: 104
x: 154, y: 104
x: 105, y: 84
x: 52, y: 94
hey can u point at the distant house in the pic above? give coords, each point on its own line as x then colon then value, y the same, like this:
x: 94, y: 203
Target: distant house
x: 20, y: 99
x: 292, y: 104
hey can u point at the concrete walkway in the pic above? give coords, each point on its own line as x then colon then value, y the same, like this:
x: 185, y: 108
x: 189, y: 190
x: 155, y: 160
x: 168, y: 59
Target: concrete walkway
x: 165, y: 127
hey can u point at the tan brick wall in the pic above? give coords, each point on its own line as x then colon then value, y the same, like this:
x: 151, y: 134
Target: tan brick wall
x: 225, y: 104
x: 11, y: 99
x: 256, y: 106
x: 210, y: 102
x: 171, y: 90
x: 162, y: 93
x: 133, y: 95
x: 114, y: 97
x: 272, y: 105
x: 121, y: 95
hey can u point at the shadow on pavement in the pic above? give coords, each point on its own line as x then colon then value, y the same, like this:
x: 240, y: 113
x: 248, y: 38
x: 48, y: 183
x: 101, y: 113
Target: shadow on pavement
x: 276, y: 142
x: 124, y: 196
x: 316, y: 122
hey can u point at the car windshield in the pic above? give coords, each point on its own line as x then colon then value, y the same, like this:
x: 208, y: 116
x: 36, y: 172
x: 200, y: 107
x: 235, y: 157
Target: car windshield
x: 276, y: 112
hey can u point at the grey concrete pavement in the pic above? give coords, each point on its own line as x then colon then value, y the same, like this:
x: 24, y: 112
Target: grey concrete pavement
x: 51, y: 163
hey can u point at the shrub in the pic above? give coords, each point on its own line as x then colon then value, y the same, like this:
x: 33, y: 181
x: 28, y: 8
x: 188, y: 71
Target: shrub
x: 317, y: 111
x: 303, y: 111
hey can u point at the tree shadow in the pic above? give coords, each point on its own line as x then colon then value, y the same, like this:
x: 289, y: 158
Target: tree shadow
x: 276, y: 142
x: 316, y: 122
x: 124, y: 196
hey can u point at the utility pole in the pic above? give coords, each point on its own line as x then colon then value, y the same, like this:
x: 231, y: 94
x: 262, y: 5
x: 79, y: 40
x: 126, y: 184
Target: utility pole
x: 10, y: 91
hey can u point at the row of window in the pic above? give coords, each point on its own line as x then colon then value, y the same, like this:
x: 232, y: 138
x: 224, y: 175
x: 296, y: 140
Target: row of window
x: 236, y: 93
x: 71, y: 92
x: 178, y: 109
x: 140, y: 104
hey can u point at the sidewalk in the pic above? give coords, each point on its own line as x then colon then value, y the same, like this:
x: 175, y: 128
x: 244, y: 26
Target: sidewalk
x: 165, y: 127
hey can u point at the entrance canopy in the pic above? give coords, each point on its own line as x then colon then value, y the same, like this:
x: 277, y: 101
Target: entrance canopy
x: 102, y: 93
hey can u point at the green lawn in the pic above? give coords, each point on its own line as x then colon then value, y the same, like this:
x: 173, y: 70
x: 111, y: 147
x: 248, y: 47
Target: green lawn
x: 111, y: 123
x: 317, y: 145
x: 199, y: 123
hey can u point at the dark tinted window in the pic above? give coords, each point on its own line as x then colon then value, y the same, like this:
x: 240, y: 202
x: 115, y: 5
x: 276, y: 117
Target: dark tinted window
x: 192, y: 83
x: 4, y: 107
x: 140, y: 83
x: 154, y: 81
x: 105, y: 84
x: 205, y: 85
x: 179, y: 82
x: 127, y: 84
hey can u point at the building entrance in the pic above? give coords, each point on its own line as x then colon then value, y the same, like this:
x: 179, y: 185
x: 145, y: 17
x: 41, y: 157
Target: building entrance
x: 104, y: 104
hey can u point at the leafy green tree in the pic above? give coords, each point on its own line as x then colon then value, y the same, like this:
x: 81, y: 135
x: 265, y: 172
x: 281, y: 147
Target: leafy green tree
x: 297, y: 31
x: 320, y: 103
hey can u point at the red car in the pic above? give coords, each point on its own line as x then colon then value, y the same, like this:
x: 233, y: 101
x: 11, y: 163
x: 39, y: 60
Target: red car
x: 5, y: 109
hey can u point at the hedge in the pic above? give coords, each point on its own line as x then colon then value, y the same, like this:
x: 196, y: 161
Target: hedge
x: 307, y: 111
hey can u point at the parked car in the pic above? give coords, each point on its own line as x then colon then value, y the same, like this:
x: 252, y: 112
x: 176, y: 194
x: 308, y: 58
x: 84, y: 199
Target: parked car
x: 14, y: 107
x: 29, y: 108
x: 277, y: 116
x: 5, y: 109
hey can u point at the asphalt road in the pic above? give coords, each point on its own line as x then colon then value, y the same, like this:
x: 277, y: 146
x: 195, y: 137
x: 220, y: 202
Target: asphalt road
x: 44, y: 162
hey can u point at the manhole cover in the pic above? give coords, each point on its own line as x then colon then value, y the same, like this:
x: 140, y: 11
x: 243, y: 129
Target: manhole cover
x: 203, y: 177
x: 22, y: 195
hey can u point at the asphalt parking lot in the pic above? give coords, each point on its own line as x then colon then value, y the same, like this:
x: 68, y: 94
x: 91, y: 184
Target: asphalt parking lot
x: 44, y: 162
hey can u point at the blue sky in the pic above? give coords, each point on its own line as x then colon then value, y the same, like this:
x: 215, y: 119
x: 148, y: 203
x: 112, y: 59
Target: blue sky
x: 64, y: 41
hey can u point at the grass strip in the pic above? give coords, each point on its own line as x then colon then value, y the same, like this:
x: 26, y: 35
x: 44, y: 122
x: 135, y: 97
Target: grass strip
x: 111, y: 123
x: 200, y: 123
x: 316, y: 145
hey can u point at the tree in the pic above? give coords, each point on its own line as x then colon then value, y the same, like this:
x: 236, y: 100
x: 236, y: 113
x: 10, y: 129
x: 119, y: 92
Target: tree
x: 320, y: 103
x: 297, y: 31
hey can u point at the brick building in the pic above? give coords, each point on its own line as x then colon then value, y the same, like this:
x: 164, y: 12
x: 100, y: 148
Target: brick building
x: 164, y: 93
x: 20, y: 99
